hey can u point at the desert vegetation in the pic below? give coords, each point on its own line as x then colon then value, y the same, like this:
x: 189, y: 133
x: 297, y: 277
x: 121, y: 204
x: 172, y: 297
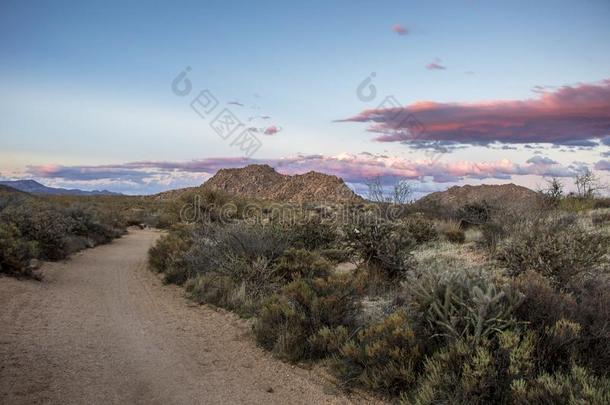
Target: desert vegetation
x: 476, y: 304
x: 37, y: 228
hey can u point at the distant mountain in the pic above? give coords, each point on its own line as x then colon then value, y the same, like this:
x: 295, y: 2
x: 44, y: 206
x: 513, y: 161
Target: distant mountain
x: 264, y: 183
x: 501, y: 195
x: 34, y: 187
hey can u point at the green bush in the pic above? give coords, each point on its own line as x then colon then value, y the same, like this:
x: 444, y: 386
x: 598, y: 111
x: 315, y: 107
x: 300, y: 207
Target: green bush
x: 422, y: 229
x: 287, y: 321
x: 298, y: 263
x: 575, y: 387
x: 248, y: 241
x: 241, y: 296
x: 492, y: 234
x: 541, y: 305
x: 382, y: 244
x: 383, y: 357
x: 211, y: 289
x: 592, y: 315
x: 557, y: 345
x: 57, y: 228
x: 313, y: 233
x: 229, y: 250
x: 336, y: 255
x: 462, y: 374
x: 167, y: 255
x: 41, y: 223
x: 558, y: 248
x: 15, y: 252
x: 168, y: 248
x: 476, y: 213
x: 585, y: 310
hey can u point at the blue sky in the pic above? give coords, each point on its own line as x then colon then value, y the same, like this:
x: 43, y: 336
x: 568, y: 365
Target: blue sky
x: 88, y: 84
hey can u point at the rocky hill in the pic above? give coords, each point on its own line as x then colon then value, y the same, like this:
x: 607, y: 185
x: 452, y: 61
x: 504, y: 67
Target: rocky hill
x: 264, y: 183
x: 504, y: 195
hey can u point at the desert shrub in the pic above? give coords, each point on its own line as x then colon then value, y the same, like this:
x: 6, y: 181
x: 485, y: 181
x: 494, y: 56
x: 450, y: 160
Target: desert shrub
x: 462, y: 374
x: 299, y: 263
x: 384, y: 356
x: 541, y: 305
x: 451, y: 231
x: 455, y: 236
x: 242, y: 296
x: 601, y: 203
x: 558, y: 247
x: 235, y: 266
x: 600, y: 218
x: 383, y: 244
x: 250, y: 241
x: 492, y: 234
x: 229, y: 250
x: 422, y: 229
x: 90, y: 223
x: 577, y: 204
x: 336, y: 255
x: 15, y: 252
x: 210, y: 288
x: 575, y: 387
x: 557, y: 345
x: 329, y: 341
x: 287, y: 321
x: 570, y: 325
x: 43, y: 224
x: 167, y: 255
x: 313, y: 233
x: 461, y: 304
x: 592, y: 315
x: 476, y: 213
x: 60, y: 228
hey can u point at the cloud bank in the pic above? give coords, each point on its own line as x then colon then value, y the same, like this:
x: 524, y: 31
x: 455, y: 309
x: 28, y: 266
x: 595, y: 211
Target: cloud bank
x: 574, y: 116
x: 353, y: 168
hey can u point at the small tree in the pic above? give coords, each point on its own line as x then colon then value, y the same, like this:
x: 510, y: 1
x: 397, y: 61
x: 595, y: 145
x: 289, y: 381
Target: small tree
x: 587, y: 184
x: 400, y: 193
x: 375, y: 192
x: 553, y: 191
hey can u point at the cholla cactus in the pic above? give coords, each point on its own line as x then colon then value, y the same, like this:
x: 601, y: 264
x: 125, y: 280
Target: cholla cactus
x: 464, y: 304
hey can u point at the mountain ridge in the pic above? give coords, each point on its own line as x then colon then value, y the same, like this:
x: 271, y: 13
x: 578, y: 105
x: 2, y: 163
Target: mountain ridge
x: 34, y: 187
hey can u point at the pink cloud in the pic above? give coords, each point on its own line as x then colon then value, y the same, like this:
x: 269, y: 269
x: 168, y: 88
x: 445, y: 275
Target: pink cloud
x: 435, y: 65
x: 272, y: 130
x: 400, y: 29
x: 570, y: 115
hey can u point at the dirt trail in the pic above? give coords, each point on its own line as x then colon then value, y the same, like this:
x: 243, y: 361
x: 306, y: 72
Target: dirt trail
x: 101, y: 328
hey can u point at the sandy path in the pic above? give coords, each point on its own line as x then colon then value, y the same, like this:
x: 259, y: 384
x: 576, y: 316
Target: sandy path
x: 101, y: 328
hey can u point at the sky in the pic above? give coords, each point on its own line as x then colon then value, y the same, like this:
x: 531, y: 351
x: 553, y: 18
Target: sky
x: 141, y: 97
